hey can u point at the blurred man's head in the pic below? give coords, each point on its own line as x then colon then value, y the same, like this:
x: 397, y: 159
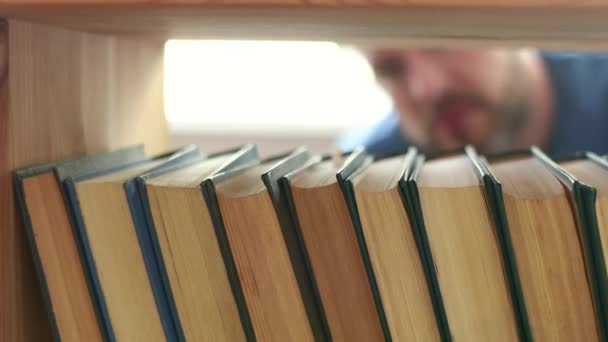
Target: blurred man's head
x: 447, y: 98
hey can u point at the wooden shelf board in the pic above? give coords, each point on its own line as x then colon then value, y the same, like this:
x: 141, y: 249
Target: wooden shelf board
x: 357, y: 21
x: 45, y: 4
x: 64, y: 94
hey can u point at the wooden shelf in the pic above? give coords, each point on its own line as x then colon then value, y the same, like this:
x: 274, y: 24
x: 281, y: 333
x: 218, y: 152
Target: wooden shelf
x: 545, y: 23
x: 84, y: 76
x: 62, y: 94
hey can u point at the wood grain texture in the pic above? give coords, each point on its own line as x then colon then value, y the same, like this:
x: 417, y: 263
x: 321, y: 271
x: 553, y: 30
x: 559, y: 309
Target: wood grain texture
x: 337, y: 264
x: 80, y: 92
x: 22, y: 308
x: 63, y: 94
x: 443, y: 23
x: 163, y: 3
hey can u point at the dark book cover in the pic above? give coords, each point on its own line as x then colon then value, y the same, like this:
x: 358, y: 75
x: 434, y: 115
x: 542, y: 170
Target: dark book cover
x: 493, y: 193
x: 63, y: 170
x: 409, y: 193
x: 19, y: 176
x: 70, y: 174
x: 241, y: 156
x: 357, y: 162
x: 284, y: 165
x: 162, y: 293
x: 354, y: 162
x: 583, y: 198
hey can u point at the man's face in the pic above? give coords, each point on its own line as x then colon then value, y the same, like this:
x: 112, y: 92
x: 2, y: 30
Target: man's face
x: 448, y: 98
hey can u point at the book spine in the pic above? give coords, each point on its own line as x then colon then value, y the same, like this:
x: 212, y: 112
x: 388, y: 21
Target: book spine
x: 351, y: 203
x: 71, y: 200
x: 162, y: 295
x: 356, y: 162
x: 584, y: 197
x: 164, y: 277
x: 297, y: 255
x: 36, y: 256
x: 493, y: 194
x: 411, y: 200
x: 208, y: 189
x: 496, y: 203
x: 289, y: 202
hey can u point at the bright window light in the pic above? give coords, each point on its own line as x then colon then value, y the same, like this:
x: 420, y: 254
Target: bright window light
x: 269, y: 86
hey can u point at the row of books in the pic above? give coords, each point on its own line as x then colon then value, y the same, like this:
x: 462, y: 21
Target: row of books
x: 227, y: 247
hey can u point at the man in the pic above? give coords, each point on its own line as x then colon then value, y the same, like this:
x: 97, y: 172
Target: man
x: 496, y: 99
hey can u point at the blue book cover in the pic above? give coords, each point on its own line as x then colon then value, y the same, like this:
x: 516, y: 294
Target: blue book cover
x: 64, y: 170
x: 239, y: 157
x: 162, y: 295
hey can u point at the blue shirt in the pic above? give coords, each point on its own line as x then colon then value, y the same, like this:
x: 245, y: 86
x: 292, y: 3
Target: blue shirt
x: 580, y: 93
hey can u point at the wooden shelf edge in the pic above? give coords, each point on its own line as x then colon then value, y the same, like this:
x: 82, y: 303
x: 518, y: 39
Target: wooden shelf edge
x: 558, y: 27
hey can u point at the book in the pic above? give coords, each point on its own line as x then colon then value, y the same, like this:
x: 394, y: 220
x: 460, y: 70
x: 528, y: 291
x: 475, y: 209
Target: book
x: 117, y: 247
x: 465, y: 251
x: 66, y: 282
x: 548, y: 249
x: 591, y: 169
x: 298, y: 247
x: 273, y: 293
x: 143, y: 227
x: 585, y: 176
x: 381, y: 220
x: 334, y: 252
x: 495, y: 202
x: 198, y: 262
x: 272, y: 178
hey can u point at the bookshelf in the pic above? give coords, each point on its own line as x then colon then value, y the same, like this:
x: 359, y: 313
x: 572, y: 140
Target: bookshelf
x: 87, y: 75
x: 64, y: 93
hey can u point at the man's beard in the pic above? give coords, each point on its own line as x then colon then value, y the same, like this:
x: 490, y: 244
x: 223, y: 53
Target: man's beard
x: 512, y: 115
x: 508, y: 117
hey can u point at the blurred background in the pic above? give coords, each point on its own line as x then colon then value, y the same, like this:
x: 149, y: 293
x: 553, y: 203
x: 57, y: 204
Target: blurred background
x: 278, y: 94
x: 281, y: 94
